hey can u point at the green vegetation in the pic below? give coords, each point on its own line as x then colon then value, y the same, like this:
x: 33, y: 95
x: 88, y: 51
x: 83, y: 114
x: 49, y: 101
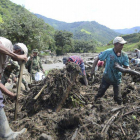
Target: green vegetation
x: 83, y: 30
x: 20, y: 25
x: 126, y: 48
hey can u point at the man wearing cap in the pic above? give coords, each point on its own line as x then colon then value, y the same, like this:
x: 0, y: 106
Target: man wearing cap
x: 137, y: 53
x: 34, y: 64
x: 111, y: 75
x: 78, y: 60
x: 14, y: 67
x: 6, y: 51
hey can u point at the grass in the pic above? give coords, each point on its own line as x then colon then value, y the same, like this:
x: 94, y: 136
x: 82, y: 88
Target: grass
x: 126, y: 48
x: 83, y: 30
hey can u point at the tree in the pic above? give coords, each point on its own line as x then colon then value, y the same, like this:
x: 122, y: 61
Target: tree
x: 84, y: 46
x: 28, y: 29
x: 63, y: 42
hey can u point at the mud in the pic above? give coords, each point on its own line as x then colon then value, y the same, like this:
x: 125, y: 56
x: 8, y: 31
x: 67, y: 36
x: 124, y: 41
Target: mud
x: 79, y: 117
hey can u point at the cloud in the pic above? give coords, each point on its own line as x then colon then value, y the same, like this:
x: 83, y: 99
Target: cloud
x: 111, y: 13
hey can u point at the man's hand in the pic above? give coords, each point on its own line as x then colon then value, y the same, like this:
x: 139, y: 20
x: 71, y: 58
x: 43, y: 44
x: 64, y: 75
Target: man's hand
x: 22, y: 57
x: 13, y: 96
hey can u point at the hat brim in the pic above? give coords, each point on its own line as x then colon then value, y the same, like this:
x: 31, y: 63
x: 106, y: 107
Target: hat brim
x: 123, y: 42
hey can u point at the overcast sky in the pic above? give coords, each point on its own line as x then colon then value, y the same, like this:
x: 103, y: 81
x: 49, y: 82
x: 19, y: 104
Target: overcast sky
x: 115, y: 14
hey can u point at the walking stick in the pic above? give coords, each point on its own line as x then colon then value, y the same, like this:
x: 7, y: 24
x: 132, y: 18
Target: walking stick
x: 19, y: 87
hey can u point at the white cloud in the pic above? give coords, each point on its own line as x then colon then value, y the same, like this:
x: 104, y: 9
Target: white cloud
x: 115, y: 14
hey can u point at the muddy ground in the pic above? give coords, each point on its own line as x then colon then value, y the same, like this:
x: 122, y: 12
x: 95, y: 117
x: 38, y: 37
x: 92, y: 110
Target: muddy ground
x: 65, y: 110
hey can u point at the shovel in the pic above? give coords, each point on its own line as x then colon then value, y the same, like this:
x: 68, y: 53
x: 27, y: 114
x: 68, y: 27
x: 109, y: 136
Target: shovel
x: 19, y: 87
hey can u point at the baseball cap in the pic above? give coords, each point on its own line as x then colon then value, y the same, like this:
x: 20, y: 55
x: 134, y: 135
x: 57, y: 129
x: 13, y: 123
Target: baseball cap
x: 120, y: 40
x: 35, y: 50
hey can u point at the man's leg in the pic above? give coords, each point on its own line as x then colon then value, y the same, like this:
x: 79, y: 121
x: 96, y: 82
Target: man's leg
x: 102, y: 89
x: 5, y: 130
x: 117, y: 93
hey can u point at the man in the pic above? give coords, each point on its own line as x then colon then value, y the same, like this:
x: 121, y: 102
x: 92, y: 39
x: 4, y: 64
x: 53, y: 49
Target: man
x: 14, y: 67
x: 78, y: 60
x: 34, y: 64
x: 136, y: 61
x: 111, y: 75
x: 6, y: 51
x: 137, y: 53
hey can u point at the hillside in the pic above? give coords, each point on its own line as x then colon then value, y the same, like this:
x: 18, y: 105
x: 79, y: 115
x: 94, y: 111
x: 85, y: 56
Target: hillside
x: 128, y: 30
x: 133, y: 41
x: 20, y: 25
x: 83, y: 30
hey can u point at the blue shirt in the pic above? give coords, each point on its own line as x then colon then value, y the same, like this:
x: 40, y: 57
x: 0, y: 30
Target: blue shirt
x: 111, y: 74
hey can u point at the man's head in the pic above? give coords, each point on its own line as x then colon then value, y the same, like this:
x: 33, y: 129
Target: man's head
x: 20, y: 49
x: 35, y: 52
x: 65, y: 60
x: 118, y: 43
x: 136, y: 50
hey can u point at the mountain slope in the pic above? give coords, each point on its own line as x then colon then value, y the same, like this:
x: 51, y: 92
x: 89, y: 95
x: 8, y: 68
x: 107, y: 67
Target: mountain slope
x: 83, y: 30
x: 128, y: 30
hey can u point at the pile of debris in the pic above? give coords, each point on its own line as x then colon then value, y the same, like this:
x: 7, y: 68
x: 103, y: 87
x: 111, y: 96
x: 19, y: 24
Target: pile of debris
x: 60, y: 108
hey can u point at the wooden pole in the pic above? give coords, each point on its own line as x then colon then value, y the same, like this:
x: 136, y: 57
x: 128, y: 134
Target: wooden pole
x: 19, y: 87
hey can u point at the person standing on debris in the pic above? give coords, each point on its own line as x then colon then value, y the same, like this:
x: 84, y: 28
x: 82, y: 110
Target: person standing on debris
x: 34, y: 64
x: 6, y: 51
x: 78, y: 60
x: 14, y: 67
x: 111, y: 75
x: 137, y: 53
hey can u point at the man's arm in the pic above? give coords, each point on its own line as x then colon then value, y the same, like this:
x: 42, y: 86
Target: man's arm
x: 14, y: 56
x: 94, y: 65
x: 6, y: 91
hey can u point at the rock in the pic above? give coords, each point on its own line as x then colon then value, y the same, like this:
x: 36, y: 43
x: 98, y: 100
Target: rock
x: 44, y: 136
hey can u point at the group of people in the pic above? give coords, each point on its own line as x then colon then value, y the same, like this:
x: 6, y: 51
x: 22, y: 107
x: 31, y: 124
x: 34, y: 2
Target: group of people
x: 9, y: 54
x: 111, y: 75
x: 10, y: 60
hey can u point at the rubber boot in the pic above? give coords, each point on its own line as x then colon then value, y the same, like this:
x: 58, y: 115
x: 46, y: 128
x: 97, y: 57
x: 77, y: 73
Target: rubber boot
x: 5, y: 131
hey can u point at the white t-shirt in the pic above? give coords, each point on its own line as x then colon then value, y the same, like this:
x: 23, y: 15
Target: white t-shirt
x: 5, y: 58
x: 138, y: 53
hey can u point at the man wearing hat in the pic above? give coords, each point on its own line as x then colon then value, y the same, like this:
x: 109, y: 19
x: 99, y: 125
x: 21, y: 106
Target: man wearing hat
x: 14, y: 67
x: 34, y: 64
x: 111, y: 75
x: 78, y: 60
x: 6, y: 51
